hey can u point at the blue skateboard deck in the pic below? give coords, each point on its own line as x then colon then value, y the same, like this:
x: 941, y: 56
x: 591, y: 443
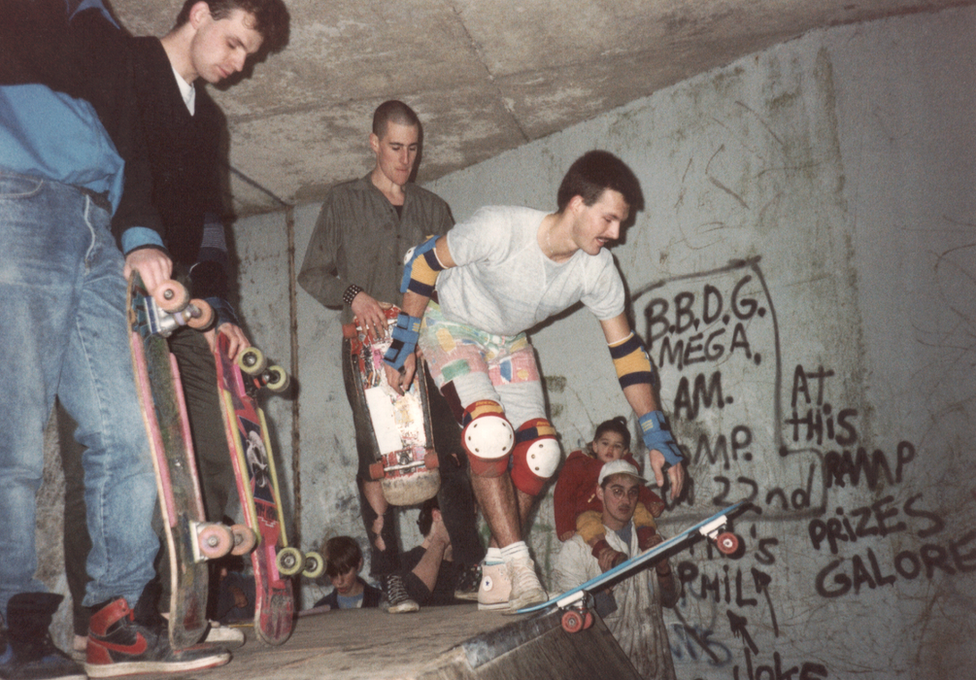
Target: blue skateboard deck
x: 707, y: 527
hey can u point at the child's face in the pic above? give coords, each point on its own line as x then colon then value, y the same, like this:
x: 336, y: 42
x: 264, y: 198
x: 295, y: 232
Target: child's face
x: 344, y: 583
x: 609, y: 446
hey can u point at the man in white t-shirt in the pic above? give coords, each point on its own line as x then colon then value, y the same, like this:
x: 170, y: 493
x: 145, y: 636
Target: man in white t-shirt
x: 497, y: 274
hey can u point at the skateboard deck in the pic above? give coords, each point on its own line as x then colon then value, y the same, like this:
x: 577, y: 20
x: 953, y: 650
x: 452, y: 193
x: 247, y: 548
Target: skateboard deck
x: 272, y: 560
x: 574, y: 600
x: 399, y: 424
x: 190, y: 539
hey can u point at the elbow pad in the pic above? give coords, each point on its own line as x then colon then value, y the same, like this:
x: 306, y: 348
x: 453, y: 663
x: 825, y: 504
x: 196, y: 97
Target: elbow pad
x: 420, y: 268
x: 630, y: 361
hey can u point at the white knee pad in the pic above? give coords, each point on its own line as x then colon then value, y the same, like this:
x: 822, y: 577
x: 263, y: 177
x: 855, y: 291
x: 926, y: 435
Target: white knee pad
x: 542, y: 457
x: 489, y: 436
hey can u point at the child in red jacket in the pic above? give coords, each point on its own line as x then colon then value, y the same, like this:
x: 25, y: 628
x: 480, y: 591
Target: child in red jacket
x: 576, y: 506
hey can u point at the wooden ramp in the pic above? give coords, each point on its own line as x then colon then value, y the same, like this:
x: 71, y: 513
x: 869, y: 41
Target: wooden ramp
x: 437, y: 643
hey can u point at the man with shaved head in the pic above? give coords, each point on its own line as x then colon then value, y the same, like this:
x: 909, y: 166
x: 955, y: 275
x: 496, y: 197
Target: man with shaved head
x: 354, y: 262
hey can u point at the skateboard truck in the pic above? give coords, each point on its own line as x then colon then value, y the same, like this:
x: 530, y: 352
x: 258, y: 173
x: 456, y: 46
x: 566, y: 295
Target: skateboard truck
x: 170, y: 308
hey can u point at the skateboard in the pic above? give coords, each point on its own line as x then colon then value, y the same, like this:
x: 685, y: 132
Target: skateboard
x: 190, y: 539
x: 574, y: 601
x: 400, y: 424
x: 272, y: 560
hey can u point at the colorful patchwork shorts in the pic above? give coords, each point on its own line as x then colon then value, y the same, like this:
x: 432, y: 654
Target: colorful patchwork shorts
x: 481, y: 365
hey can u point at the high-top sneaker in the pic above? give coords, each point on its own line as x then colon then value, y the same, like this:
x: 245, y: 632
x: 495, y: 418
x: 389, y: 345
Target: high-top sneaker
x: 495, y: 587
x: 26, y: 649
x: 398, y: 601
x: 468, y: 582
x: 527, y: 590
x: 118, y: 644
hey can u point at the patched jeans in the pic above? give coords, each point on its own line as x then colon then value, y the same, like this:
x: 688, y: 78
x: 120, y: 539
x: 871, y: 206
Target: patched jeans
x: 63, y: 333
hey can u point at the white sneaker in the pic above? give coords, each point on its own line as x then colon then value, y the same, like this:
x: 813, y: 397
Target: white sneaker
x: 495, y: 588
x: 225, y: 636
x: 527, y: 590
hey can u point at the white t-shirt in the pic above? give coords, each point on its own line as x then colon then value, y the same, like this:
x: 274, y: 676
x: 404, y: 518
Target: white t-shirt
x: 504, y: 283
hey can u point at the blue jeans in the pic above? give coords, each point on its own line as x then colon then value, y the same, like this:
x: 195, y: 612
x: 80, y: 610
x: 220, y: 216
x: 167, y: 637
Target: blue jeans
x: 63, y: 333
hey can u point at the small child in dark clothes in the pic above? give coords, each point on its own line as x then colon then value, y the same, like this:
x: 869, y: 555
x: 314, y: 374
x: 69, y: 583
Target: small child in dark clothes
x: 343, y: 561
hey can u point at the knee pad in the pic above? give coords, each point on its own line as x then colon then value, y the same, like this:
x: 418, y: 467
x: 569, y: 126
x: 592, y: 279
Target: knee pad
x: 536, y: 456
x: 487, y: 438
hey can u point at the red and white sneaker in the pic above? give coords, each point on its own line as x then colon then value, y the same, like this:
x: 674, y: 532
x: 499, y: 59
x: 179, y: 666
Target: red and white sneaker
x: 118, y: 645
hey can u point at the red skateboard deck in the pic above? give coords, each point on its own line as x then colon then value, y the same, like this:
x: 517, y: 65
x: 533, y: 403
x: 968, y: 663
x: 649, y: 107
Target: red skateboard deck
x: 190, y: 539
x: 399, y: 424
x: 274, y: 563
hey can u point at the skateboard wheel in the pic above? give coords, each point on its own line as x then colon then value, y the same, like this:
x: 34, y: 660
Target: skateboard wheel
x: 244, y: 539
x: 573, y: 621
x: 727, y: 543
x: 314, y: 565
x: 252, y: 361
x: 214, y: 540
x: 203, y: 318
x: 171, y: 296
x: 431, y: 461
x: 289, y: 561
x: 277, y: 379
x: 588, y: 620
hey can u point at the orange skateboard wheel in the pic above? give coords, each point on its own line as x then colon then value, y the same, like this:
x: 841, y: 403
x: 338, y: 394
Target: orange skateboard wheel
x: 573, y: 621
x: 204, y: 316
x: 727, y: 543
x: 171, y: 296
x: 214, y: 540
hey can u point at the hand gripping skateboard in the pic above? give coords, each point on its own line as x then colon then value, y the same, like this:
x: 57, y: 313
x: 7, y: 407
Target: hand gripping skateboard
x: 190, y: 539
x: 273, y: 561
x: 574, y: 601
x: 400, y: 424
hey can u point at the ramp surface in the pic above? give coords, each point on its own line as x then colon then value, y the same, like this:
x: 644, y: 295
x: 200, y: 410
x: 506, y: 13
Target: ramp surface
x: 436, y: 643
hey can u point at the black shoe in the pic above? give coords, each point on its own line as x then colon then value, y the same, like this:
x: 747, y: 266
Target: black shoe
x: 26, y: 649
x: 119, y: 645
x: 398, y: 601
x: 468, y: 583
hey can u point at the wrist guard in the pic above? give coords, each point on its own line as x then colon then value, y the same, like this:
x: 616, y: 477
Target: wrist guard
x: 405, y: 335
x: 657, y: 437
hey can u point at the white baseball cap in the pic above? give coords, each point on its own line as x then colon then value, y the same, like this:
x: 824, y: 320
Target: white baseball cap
x: 619, y: 467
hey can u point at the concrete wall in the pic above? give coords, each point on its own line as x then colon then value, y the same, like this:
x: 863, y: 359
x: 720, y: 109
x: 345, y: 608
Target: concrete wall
x: 803, y: 274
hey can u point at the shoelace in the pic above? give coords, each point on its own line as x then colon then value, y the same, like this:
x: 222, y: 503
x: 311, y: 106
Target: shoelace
x: 397, y: 593
x: 526, y: 578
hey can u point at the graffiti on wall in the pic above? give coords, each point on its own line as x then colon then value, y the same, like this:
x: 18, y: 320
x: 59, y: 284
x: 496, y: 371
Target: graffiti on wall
x: 782, y: 438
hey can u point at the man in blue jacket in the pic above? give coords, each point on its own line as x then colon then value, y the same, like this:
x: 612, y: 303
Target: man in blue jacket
x: 66, y: 199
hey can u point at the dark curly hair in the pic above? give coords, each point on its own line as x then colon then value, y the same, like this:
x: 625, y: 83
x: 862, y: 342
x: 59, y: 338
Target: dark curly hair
x: 595, y: 171
x: 618, y: 425
x: 271, y: 17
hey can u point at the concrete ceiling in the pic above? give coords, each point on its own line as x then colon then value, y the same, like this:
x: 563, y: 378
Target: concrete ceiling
x: 484, y: 75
